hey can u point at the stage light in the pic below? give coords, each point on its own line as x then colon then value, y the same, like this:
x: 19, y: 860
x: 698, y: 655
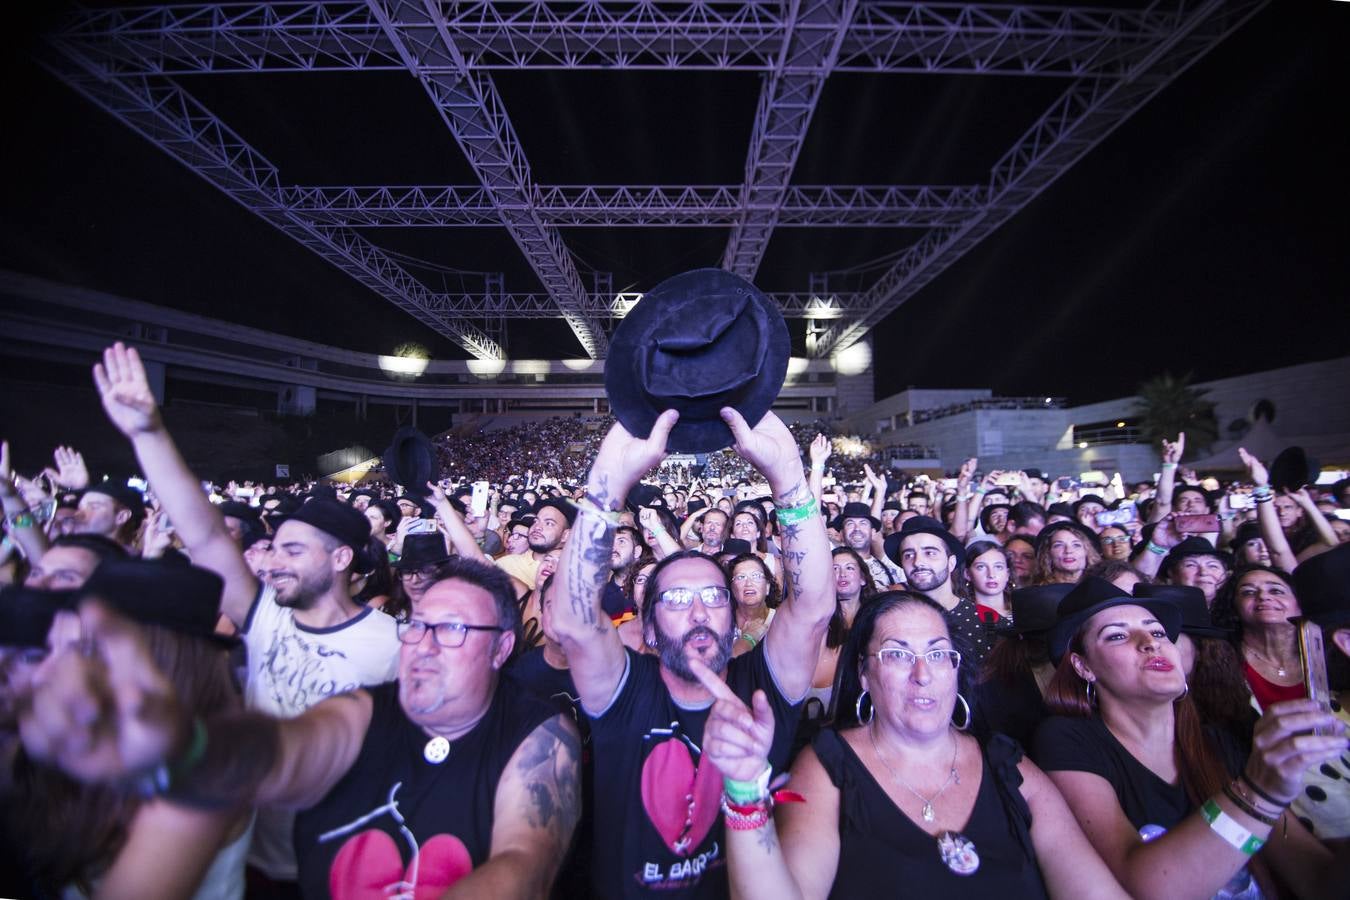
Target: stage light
x: 409, y: 361
x: 486, y: 368
x: 853, y: 360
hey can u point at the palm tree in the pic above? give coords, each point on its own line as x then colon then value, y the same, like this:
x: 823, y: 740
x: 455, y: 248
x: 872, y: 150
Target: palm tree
x: 1168, y: 405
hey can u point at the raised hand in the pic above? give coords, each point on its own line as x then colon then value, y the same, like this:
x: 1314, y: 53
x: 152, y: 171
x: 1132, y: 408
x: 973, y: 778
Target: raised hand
x: 1173, y: 450
x: 820, y: 451
x: 100, y: 709
x: 623, y: 459
x: 126, y: 394
x: 967, y: 471
x: 71, y: 471
x: 735, y: 738
x: 1283, y: 748
x: 649, y: 520
x: 769, y: 447
x: 1255, y: 468
x: 6, y: 471
x: 878, y: 482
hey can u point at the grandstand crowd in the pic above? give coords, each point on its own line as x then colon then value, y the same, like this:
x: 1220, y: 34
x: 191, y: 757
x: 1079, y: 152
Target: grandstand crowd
x: 551, y: 660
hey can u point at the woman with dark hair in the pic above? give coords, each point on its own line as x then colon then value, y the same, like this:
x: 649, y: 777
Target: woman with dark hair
x: 635, y: 589
x: 1022, y: 557
x: 897, y: 789
x: 853, y: 586
x: 378, y: 588
x: 756, y: 598
x: 990, y: 572
x: 1258, y: 603
x: 1013, y: 680
x: 1123, y: 575
x: 1116, y: 543
x: 1174, y: 810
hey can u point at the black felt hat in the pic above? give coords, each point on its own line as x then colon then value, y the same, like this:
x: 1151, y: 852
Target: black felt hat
x: 1078, y: 528
x: 124, y: 494
x: 335, y: 518
x: 736, y: 546
x: 1195, y: 618
x: 1092, y: 595
x: 1322, y: 585
x: 644, y: 495
x: 1292, y: 469
x: 1034, y: 608
x: 1247, y: 531
x: 1194, y: 546
x: 419, y: 550
x: 185, y: 599
x: 924, y: 525
x: 26, y: 614
x: 565, y: 507
x: 410, y: 460
x: 697, y: 342
x: 855, y: 511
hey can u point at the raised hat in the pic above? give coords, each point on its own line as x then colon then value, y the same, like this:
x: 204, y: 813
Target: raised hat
x: 643, y: 495
x: 181, y: 598
x: 410, y: 460
x: 924, y: 525
x: 1195, y: 618
x: 1292, y: 469
x: 697, y: 342
x: 1194, y: 546
x: 855, y: 511
x: 1092, y: 595
x: 419, y: 550
x: 1322, y: 585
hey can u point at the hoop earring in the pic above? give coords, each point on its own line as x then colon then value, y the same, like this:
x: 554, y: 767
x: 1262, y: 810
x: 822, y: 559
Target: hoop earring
x: 1185, y: 689
x: 965, y: 724
x: 1091, y: 691
x: 857, y: 709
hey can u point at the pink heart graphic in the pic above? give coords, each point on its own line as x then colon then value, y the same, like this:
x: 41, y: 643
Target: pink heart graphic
x: 369, y: 862
x: 682, y: 800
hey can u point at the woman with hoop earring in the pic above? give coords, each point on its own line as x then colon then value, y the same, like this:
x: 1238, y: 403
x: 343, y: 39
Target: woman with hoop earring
x: 900, y: 796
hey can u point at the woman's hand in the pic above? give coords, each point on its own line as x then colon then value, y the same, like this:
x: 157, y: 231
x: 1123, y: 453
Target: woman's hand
x: 1255, y: 469
x: 1173, y: 450
x: 1284, y: 747
x: 735, y: 738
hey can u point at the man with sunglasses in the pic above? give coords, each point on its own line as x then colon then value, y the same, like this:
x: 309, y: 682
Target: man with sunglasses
x: 439, y: 779
x: 657, y: 798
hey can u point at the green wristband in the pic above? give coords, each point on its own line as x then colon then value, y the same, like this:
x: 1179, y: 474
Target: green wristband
x: 743, y: 793
x: 795, y: 515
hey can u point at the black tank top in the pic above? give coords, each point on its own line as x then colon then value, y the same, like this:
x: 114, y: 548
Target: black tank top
x: 396, y: 818
x: 880, y: 849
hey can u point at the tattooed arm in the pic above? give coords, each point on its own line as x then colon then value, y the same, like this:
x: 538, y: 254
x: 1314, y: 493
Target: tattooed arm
x: 797, y: 632
x: 537, y: 806
x: 595, y: 654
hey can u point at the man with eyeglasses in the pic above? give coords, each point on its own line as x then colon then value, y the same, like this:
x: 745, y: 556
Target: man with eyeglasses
x: 439, y: 779
x: 659, y: 808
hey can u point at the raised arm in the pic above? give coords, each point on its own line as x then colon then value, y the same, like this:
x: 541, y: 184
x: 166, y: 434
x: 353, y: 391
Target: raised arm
x: 131, y: 406
x: 961, y: 520
x: 665, y: 544
x: 820, y: 451
x: 536, y: 809
x: 798, y: 628
x: 460, y: 537
x: 23, y: 528
x: 1325, y: 533
x: 1167, y: 476
x: 1281, y: 554
x: 595, y: 653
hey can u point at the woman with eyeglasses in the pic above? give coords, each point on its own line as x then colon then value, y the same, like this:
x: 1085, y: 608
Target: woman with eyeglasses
x: 1176, y: 810
x: 1115, y: 543
x: 900, y: 798
x: 630, y: 632
x: 756, y: 596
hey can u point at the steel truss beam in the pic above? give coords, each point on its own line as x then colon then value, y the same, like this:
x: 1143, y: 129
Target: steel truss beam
x: 1079, y: 120
x: 786, y: 104
x: 860, y: 206
x: 957, y: 38
x: 795, y: 305
x: 166, y: 116
x: 473, y: 111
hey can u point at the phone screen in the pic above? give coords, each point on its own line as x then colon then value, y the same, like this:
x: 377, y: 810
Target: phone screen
x: 1312, y: 656
x: 1197, y: 524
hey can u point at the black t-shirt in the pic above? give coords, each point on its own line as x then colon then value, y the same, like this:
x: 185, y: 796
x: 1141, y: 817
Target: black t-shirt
x: 536, y: 675
x: 1013, y: 708
x: 879, y: 844
x: 394, y: 817
x: 658, y: 814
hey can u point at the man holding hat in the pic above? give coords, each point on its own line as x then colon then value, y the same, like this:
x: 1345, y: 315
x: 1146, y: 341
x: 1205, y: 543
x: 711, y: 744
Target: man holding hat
x: 859, y: 529
x: 933, y: 561
x: 306, y: 638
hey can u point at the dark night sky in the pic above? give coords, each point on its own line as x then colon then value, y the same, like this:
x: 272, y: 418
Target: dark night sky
x: 1167, y: 248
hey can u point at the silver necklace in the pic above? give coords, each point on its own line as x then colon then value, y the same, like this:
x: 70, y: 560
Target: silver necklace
x: 1279, y: 669
x: 952, y: 777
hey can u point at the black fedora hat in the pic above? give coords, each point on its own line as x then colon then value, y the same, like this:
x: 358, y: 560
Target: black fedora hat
x: 1292, y: 469
x: 410, y: 460
x: 924, y: 525
x: 855, y: 511
x: 1194, y: 546
x: 1076, y: 527
x: 1092, y: 595
x: 1247, y: 531
x: 123, y: 493
x: 181, y: 598
x: 643, y: 495
x: 735, y: 546
x: 697, y: 342
x: 1034, y: 608
x: 26, y: 614
x: 421, y: 550
x: 1195, y: 618
x: 1322, y: 585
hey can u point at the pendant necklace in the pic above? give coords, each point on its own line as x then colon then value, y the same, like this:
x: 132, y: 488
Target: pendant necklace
x: 952, y: 776
x: 436, y: 751
x: 1279, y: 669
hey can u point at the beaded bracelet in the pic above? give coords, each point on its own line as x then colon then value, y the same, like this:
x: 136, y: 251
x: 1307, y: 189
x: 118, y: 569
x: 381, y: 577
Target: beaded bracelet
x: 1248, y: 808
x: 747, y: 817
x: 1256, y: 789
x: 1225, y: 827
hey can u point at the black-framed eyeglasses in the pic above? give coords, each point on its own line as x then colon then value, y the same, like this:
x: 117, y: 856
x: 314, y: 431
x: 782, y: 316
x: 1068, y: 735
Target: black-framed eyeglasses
x: 446, y: 634
x: 712, y: 596
x: 426, y: 573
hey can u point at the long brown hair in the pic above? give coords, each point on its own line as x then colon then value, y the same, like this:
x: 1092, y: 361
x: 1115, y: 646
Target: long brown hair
x: 1202, y: 770
x: 71, y: 831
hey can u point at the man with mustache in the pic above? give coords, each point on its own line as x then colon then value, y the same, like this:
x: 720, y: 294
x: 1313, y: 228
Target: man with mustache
x: 659, y: 808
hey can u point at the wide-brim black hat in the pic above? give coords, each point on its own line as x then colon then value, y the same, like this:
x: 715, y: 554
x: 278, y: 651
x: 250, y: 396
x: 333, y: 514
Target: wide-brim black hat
x: 26, y: 614
x: 1092, y: 595
x: 1322, y: 585
x: 1195, y: 546
x: 1034, y: 608
x: 643, y: 495
x: 697, y: 342
x: 924, y: 525
x: 420, y: 550
x: 1195, y: 618
x: 410, y: 461
x: 855, y: 511
x: 185, y: 599
x: 1292, y: 469
x: 1078, y: 528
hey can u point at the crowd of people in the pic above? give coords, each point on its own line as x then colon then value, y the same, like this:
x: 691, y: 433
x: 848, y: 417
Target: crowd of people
x: 563, y: 666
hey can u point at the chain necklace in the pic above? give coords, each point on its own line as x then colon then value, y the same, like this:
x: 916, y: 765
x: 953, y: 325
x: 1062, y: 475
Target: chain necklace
x: 1261, y: 657
x: 952, y: 777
